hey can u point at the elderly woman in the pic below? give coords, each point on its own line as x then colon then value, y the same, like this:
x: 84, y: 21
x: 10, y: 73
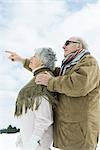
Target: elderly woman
x: 34, y: 103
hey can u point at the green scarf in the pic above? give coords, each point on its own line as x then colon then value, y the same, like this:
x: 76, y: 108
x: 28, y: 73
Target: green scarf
x: 30, y: 91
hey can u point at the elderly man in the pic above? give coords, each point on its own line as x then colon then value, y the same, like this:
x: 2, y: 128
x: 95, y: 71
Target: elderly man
x: 77, y: 115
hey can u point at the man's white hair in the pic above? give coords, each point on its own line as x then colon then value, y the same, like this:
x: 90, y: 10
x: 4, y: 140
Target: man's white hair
x: 84, y: 44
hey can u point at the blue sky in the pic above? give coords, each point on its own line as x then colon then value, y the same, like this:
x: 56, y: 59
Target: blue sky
x: 77, y: 5
x: 29, y: 24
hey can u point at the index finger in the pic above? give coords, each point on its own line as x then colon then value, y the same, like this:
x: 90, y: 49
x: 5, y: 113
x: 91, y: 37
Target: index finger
x: 10, y: 52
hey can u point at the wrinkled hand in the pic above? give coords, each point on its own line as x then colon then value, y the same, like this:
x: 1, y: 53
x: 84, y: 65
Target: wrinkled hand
x: 43, y: 78
x: 14, y: 56
x: 19, y: 142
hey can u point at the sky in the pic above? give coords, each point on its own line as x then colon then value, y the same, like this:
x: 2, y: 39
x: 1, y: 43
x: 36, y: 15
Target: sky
x: 29, y: 24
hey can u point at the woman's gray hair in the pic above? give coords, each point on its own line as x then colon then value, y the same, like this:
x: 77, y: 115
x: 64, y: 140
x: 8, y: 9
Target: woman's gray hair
x: 84, y: 44
x: 47, y: 56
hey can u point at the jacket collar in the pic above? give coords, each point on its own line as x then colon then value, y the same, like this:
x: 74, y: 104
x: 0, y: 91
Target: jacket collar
x: 37, y: 71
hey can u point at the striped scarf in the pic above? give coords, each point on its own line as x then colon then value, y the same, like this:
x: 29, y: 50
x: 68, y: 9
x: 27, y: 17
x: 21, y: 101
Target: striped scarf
x: 71, y: 60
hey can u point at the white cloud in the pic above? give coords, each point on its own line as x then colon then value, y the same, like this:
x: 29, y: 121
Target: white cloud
x: 7, y: 104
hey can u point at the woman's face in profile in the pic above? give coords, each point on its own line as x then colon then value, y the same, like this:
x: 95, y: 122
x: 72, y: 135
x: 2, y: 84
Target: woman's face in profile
x: 35, y: 62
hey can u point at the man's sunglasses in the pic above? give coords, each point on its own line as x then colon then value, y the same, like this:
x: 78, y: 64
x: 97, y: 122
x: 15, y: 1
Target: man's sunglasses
x: 68, y: 42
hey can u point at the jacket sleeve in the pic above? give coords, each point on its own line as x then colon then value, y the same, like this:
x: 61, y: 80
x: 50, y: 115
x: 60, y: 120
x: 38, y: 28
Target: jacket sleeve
x: 43, y: 118
x: 26, y: 64
x: 80, y: 82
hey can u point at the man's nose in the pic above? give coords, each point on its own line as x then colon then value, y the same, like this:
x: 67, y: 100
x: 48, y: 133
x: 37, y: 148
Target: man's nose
x: 63, y: 46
